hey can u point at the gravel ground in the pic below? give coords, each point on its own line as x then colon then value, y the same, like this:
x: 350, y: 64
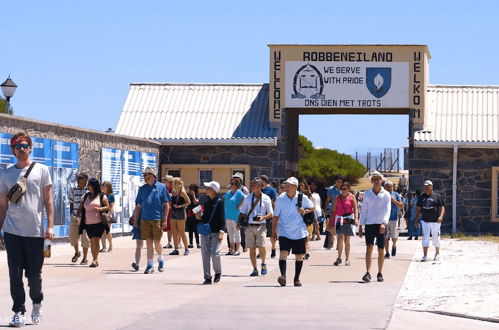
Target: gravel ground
x: 464, y: 282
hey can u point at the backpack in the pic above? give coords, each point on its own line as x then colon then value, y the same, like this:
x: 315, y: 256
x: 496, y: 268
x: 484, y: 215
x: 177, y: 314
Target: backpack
x: 308, y: 218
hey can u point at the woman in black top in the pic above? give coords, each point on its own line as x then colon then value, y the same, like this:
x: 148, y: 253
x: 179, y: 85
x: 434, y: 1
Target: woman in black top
x: 180, y: 201
x: 213, y: 213
x: 191, y: 217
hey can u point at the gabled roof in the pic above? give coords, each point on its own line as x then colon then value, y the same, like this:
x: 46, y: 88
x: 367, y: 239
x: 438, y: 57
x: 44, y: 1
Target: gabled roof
x: 462, y: 115
x: 198, y: 113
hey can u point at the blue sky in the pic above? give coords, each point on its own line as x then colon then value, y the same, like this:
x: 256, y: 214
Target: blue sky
x: 74, y: 60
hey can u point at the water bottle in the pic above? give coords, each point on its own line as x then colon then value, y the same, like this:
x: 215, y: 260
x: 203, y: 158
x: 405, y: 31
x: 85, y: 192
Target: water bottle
x: 46, y: 248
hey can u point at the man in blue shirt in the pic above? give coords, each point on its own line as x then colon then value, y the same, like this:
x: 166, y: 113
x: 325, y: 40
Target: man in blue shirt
x: 152, y: 207
x: 272, y: 193
x: 292, y: 229
x: 392, y: 229
x: 332, y: 192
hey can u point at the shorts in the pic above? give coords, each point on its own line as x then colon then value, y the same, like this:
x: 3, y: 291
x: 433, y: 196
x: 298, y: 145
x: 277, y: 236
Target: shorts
x: 151, y: 229
x: 74, y: 234
x: 295, y: 246
x: 269, y: 227
x: 345, y: 229
x: 255, y: 236
x: 392, y: 230
x: 95, y: 230
x: 372, y: 232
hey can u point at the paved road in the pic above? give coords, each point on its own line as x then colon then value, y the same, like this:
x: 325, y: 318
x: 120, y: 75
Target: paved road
x: 114, y: 296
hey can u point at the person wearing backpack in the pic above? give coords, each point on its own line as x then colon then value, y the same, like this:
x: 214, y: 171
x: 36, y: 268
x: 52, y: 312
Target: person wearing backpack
x: 289, y: 221
x: 211, y: 225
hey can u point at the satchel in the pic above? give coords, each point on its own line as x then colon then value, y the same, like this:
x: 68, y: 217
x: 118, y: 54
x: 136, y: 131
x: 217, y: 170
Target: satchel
x: 205, y: 228
x: 244, y: 218
x: 308, y: 218
x: 17, y: 191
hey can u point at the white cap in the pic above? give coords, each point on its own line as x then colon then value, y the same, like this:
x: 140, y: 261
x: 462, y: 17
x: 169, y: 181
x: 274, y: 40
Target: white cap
x: 428, y: 183
x: 213, y: 185
x: 388, y: 183
x: 292, y: 180
x: 238, y: 175
x: 376, y: 173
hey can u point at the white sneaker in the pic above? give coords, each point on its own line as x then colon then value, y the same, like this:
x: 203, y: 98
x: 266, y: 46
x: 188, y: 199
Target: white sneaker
x: 36, y: 313
x: 17, y: 320
x: 437, y: 257
x: 424, y: 259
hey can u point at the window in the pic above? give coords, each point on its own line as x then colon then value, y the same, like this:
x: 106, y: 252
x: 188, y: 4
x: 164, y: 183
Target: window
x: 205, y: 176
x: 174, y: 172
x: 495, y: 194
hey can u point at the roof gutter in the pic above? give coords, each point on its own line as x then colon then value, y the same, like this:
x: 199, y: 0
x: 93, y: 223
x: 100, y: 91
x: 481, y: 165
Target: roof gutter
x: 217, y: 142
x: 455, y: 148
x: 450, y: 144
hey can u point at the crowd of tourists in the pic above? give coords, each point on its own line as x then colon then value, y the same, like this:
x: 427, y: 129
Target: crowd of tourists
x: 291, y: 214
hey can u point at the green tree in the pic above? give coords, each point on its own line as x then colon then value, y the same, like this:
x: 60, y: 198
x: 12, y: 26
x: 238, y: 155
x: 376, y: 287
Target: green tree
x: 321, y: 165
x: 3, y: 104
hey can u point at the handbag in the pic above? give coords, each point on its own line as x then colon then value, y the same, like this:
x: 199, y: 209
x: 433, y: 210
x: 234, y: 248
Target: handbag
x: 105, y: 217
x: 327, y: 241
x: 243, y: 220
x: 17, y: 191
x: 205, y: 228
x: 308, y: 218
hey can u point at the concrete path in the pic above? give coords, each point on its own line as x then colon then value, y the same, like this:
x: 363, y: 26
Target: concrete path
x: 114, y: 296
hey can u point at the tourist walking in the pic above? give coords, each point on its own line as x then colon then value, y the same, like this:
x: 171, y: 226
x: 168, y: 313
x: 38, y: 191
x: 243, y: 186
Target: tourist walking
x: 319, y: 219
x: 152, y: 208
x: 93, y: 205
x: 376, y: 207
x: 346, y: 216
x: 139, y: 243
x: 168, y: 182
x: 21, y: 219
x: 270, y: 191
x: 180, y: 201
x: 75, y: 197
x: 233, y: 199
x: 305, y: 190
x: 392, y: 230
x: 288, y: 221
x: 413, y: 231
x: 211, y: 228
x: 238, y: 177
x: 257, y: 209
x: 431, y: 207
x: 191, y: 222
x: 107, y: 189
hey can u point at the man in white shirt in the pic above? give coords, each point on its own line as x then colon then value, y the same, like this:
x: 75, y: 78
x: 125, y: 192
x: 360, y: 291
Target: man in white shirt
x: 292, y: 229
x: 376, y: 207
x: 258, y: 208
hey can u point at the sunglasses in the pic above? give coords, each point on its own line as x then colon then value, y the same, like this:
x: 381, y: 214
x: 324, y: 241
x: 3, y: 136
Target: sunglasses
x: 232, y: 183
x: 21, y: 145
x: 344, y: 188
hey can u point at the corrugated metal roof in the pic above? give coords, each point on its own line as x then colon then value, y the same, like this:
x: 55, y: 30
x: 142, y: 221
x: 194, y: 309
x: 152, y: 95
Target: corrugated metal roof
x: 467, y: 115
x: 196, y: 111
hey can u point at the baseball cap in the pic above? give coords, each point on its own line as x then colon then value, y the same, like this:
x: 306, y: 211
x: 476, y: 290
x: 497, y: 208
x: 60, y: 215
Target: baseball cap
x: 82, y: 175
x: 238, y: 175
x: 150, y: 170
x: 213, y: 185
x: 376, y: 174
x: 428, y: 183
x: 292, y: 180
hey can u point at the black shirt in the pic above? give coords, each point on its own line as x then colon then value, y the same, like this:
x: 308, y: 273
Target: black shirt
x: 218, y: 222
x: 430, y: 206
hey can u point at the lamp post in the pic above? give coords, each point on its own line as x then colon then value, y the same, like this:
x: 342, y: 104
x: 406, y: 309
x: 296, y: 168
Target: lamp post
x: 8, y: 90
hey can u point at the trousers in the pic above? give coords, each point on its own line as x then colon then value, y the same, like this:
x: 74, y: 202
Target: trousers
x: 210, y: 251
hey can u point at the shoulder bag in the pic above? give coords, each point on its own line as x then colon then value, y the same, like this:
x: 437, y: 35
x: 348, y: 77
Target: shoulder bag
x: 205, y: 228
x: 17, y: 191
x: 308, y: 218
x: 244, y: 218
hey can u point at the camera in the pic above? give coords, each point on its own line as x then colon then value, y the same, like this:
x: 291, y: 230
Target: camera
x: 256, y: 219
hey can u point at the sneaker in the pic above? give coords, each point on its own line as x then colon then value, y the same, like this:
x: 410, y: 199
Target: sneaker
x: 149, y: 269
x: 161, y: 266
x: 186, y: 252
x: 394, y: 251
x: 297, y: 283
x: 174, y: 253
x: 17, y: 320
x: 135, y: 266
x: 424, y: 259
x: 306, y: 256
x: 190, y: 246
x: 36, y: 313
x: 387, y: 255
x: 282, y: 280
x: 272, y: 254
x: 437, y: 257
x: 416, y: 238
x: 366, y: 278
x: 237, y: 253
x: 207, y: 281
x: 230, y: 253
x: 167, y: 246
x: 380, y: 277
x: 337, y: 262
x: 254, y: 273
x: 199, y: 246
x: 217, y: 278
x: 264, y: 269
x: 410, y: 238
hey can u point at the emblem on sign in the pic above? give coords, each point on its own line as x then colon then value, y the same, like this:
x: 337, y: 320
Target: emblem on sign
x: 308, y: 83
x: 378, y: 81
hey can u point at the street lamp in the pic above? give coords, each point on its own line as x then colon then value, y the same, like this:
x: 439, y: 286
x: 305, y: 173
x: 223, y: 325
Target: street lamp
x: 8, y: 90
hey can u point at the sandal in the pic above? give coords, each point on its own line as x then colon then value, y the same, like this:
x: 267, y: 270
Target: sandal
x: 75, y: 257
x: 337, y: 262
x: 102, y: 250
x: 84, y: 262
x: 94, y: 264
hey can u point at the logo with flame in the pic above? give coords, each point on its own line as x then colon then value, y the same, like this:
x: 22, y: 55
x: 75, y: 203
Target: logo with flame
x: 308, y: 83
x: 378, y: 81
